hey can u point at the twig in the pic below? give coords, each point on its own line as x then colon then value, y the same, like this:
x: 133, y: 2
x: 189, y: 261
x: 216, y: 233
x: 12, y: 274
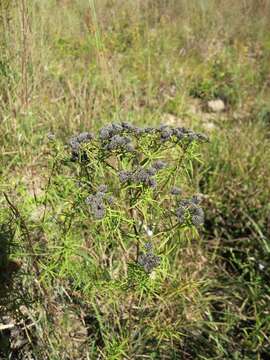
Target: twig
x: 17, y: 214
x: 7, y: 326
x: 30, y: 245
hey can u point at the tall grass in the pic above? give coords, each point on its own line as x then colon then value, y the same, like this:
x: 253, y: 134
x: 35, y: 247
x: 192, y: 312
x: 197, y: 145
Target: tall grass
x: 73, y: 66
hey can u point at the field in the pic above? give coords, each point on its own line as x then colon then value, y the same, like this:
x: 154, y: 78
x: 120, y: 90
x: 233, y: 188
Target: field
x: 71, y: 282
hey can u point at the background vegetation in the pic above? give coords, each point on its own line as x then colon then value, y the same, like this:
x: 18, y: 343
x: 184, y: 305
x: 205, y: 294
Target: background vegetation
x: 72, y: 66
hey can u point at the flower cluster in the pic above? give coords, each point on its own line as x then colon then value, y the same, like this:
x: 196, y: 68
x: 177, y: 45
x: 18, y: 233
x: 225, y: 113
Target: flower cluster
x: 148, y: 260
x: 195, y: 211
x: 108, y: 131
x: 197, y: 215
x: 125, y: 176
x: 145, y: 176
x: 168, y: 133
x: 180, y: 214
x: 114, y: 134
x: 96, y: 202
x: 76, y: 141
x: 136, y: 210
x: 148, y: 246
x: 122, y: 142
x: 135, y: 130
x: 142, y: 175
x: 113, y: 137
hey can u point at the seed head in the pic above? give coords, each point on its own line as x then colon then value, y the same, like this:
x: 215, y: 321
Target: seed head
x: 89, y: 199
x: 180, y: 214
x: 149, y: 261
x: 107, y: 132
x: 124, y: 176
x: 197, y: 215
x: 148, y: 246
x: 152, y: 183
x: 73, y: 142
x: 179, y: 133
x: 96, y: 204
x: 84, y: 136
x: 151, y: 171
x: 149, y: 130
x: 141, y: 175
x: 98, y: 211
x: 117, y: 127
x: 118, y: 140
x: 99, y: 195
x: 165, y: 133
x: 197, y: 220
x: 104, y: 134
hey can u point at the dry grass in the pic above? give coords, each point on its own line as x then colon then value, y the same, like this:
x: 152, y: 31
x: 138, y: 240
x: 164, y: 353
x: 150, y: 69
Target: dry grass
x: 68, y: 66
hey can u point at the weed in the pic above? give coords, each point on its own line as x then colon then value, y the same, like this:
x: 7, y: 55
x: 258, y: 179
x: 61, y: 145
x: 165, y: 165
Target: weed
x: 114, y: 267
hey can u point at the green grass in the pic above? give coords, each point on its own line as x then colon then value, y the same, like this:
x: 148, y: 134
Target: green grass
x: 72, y: 66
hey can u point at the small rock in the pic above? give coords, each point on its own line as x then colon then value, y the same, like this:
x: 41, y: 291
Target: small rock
x: 209, y: 126
x: 194, y: 106
x: 23, y: 309
x: 51, y: 136
x: 216, y: 105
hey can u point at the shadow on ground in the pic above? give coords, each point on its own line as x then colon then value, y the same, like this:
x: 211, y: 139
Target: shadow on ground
x: 11, y: 294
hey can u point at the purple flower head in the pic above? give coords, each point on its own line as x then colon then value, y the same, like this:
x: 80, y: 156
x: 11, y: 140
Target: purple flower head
x: 152, y: 183
x: 84, y: 136
x: 104, y: 134
x: 124, y: 176
x: 165, y: 133
x: 179, y: 133
x: 117, y: 128
x: 89, y: 199
x: 96, y: 204
x: 148, y: 246
x: 151, y: 171
x: 149, y: 261
x: 180, y: 214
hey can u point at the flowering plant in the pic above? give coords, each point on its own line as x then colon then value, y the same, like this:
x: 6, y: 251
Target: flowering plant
x: 130, y: 176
